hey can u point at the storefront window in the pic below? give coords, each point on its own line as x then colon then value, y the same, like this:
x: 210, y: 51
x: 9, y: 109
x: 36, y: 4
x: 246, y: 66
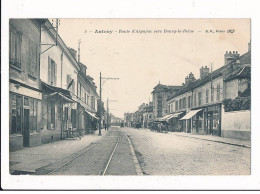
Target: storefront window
x: 16, y: 116
x: 33, y: 115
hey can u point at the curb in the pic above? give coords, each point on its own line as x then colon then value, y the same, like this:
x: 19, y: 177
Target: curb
x: 137, y: 165
x: 218, y: 141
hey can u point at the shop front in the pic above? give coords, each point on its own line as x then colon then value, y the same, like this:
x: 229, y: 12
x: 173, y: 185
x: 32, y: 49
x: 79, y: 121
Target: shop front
x: 25, y: 127
x: 213, y: 120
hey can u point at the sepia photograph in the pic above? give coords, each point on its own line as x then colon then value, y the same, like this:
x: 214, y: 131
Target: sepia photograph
x: 160, y: 99
x: 130, y: 96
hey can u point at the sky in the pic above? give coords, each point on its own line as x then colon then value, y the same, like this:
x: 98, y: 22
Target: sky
x: 144, y: 52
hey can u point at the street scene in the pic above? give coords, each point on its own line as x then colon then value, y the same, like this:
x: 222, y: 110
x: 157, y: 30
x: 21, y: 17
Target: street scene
x: 129, y: 97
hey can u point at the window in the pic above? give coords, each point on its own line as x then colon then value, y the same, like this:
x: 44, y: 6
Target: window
x: 80, y: 91
x: 15, y: 47
x: 33, y: 115
x: 16, y: 114
x: 159, y: 113
x: 66, y: 113
x: 73, y: 118
x: 32, y: 61
x: 169, y: 107
x: 200, y: 98
x: 180, y: 105
x: 85, y: 98
x: 93, y: 102
x: 207, y: 96
x: 159, y: 104
x: 218, y: 92
x: 184, y: 103
x: 176, y: 106
x: 52, y: 107
x: 52, y: 72
x: 189, y: 102
x: 212, y: 94
x: 194, y: 100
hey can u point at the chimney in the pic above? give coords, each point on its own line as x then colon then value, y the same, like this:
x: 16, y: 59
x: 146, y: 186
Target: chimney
x: 229, y: 56
x: 249, y: 46
x: 189, y: 78
x: 204, y: 71
x: 83, y: 68
x: 73, y: 53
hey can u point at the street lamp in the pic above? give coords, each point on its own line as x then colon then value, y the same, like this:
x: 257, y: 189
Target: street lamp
x: 100, y: 97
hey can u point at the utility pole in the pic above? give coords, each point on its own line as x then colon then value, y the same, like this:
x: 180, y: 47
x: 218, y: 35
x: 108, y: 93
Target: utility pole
x: 100, y: 115
x: 100, y: 98
x: 107, y: 116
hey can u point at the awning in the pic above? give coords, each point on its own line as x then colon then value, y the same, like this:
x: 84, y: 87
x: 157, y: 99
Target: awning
x: 61, y: 95
x: 52, y: 89
x: 91, y: 114
x: 174, y: 115
x: 190, y: 114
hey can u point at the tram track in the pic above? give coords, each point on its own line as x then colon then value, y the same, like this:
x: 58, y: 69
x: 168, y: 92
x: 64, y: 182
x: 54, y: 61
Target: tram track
x: 113, y: 155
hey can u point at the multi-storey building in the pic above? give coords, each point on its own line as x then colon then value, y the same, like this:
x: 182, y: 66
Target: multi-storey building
x: 197, y: 107
x: 87, y: 101
x: 59, y: 69
x: 160, y: 94
x: 128, y: 119
x: 24, y: 82
x: 147, y: 115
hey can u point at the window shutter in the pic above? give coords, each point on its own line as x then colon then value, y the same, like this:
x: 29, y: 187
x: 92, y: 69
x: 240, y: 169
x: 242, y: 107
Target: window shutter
x: 49, y: 70
x: 55, y: 74
x: 29, y: 58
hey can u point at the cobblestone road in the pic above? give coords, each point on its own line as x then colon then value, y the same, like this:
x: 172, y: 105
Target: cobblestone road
x: 169, y: 154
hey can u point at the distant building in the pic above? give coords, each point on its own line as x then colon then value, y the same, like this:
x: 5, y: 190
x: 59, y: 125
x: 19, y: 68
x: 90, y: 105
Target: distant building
x: 160, y: 94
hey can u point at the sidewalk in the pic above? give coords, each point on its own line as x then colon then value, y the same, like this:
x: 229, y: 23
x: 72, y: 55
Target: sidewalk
x: 230, y: 141
x: 28, y: 160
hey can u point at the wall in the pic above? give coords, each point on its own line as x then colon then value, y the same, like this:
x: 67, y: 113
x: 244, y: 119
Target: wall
x: 30, y: 32
x: 231, y: 89
x: 68, y: 65
x: 236, y: 124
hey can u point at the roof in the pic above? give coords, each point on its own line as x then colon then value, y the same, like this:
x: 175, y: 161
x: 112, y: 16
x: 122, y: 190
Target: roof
x: 241, y: 68
x: 242, y: 60
x: 165, y: 87
x: 244, y: 72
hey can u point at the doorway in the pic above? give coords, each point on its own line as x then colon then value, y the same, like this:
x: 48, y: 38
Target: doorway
x: 210, y: 122
x: 26, y: 130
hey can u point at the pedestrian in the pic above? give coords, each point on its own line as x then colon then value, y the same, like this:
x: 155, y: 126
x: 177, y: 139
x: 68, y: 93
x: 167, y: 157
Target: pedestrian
x: 105, y: 127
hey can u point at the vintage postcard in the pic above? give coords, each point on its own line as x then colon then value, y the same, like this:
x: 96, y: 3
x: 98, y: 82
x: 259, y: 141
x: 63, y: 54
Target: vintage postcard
x: 132, y: 97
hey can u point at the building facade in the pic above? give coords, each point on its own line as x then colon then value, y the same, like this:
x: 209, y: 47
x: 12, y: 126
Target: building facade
x: 59, y: 70
x: 50, y: 92
x: 24, y: 83
x: 160, y: 95
x: 199, y: 103
x: 87, y: 102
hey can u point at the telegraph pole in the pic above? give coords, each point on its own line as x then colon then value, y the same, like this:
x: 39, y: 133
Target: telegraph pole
x: 100, y: 99
x: 100, y: 115
x: 107, y: 115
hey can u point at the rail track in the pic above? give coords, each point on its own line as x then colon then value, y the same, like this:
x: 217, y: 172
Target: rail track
x: 116, y: 137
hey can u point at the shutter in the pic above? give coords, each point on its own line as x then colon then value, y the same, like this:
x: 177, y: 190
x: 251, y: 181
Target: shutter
x: 29, y: 57
x: 68, y: 80
x: 49, y: 70
x: 55, y: 74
